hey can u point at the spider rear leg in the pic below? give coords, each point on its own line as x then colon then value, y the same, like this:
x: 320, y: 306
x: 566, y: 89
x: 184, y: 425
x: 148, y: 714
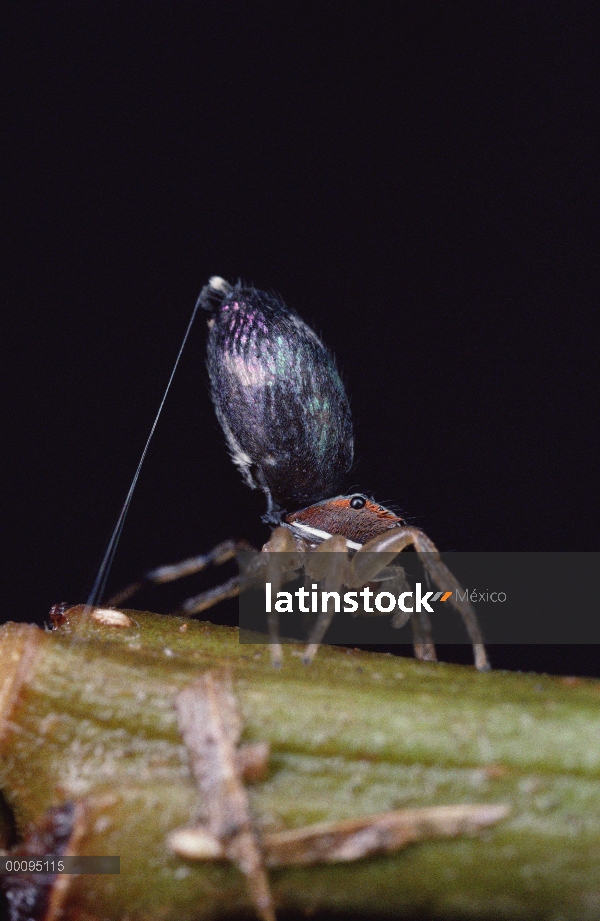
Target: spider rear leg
x: 365, y: 566
x: 220, y: 554
x: 423, y: 637
x: 444, y: 580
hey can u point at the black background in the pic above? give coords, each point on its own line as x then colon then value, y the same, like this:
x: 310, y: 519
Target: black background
x: 419, y: 180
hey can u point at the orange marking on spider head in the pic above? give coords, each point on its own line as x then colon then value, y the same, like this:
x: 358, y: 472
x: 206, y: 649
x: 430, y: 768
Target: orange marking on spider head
x: 381, y: 512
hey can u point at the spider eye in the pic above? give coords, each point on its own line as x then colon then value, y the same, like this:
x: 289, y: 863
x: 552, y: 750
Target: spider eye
x: 358, y: 502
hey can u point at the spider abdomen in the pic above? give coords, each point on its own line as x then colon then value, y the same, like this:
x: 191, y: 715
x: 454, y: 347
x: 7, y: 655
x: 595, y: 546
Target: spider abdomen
x: 278, y: 397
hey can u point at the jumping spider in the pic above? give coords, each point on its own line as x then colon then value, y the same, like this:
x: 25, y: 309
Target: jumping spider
x: 285, y: 415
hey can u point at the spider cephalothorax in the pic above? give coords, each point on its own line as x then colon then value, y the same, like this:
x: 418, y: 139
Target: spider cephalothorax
x: 359, y: 519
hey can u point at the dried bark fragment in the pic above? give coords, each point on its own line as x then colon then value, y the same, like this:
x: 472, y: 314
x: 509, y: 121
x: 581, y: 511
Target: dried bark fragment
x: 354, y: 839
x: 195, y: 844
x: 384, y: 833
x: 253, y: 760
x: 211, y: 725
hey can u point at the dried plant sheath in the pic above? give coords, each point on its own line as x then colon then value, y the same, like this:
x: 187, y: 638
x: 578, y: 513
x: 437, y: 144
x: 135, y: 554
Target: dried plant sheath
x: 355, y: 839
x: 211, y: 725
x: 88, y: 716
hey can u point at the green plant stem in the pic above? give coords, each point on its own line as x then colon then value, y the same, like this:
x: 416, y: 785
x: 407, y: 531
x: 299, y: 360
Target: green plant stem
x: 90, y: 717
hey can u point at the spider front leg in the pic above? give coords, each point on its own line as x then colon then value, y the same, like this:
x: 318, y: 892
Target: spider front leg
x: 282, y: 558
x: 333, y: 571
x: 365, y: 567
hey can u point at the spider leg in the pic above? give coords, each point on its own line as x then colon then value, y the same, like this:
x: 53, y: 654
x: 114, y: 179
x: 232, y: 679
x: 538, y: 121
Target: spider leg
x: 281, y: 559
x: 365, y: 567
x: 422, y: 631
x: 222, y: 553
x: 423, y: 637
x: 444, y: 580
x: 333, y: 576
x: 212, y: 596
